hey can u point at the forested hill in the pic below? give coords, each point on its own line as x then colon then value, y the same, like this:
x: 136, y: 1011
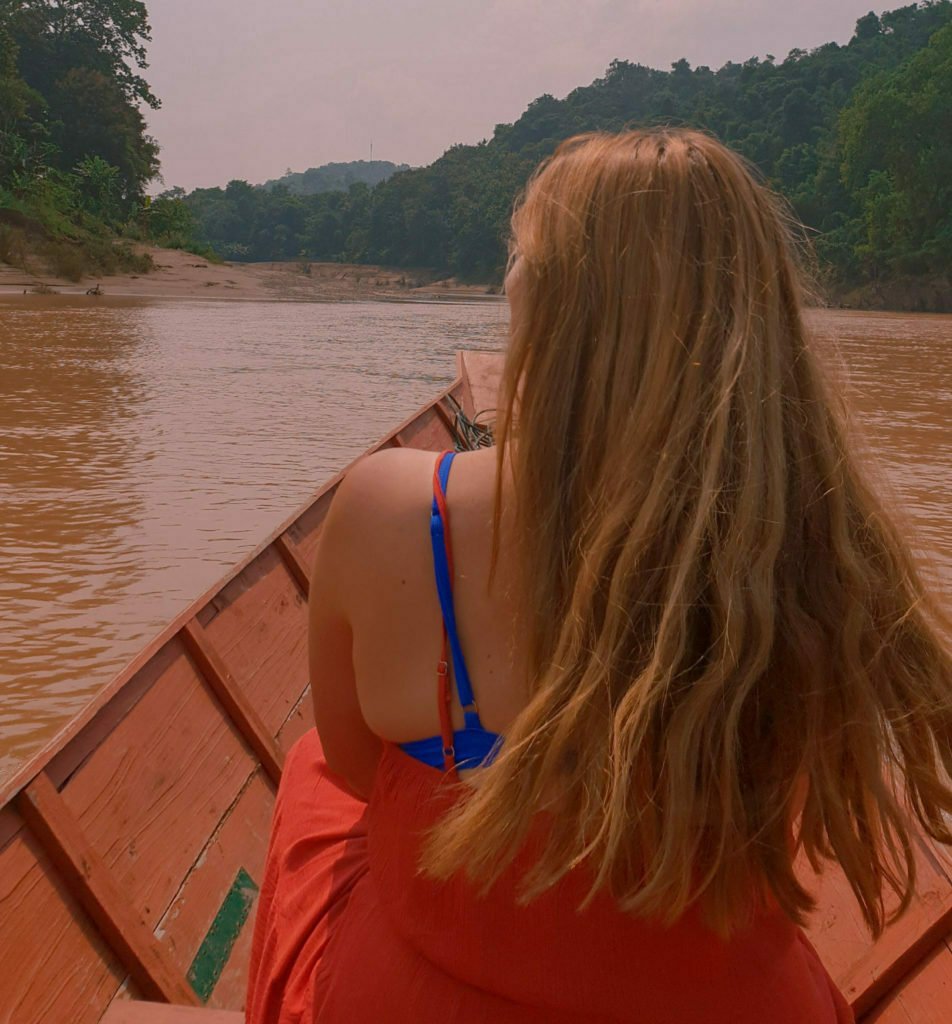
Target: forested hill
x: 857, y: 136
x: 336, y: 177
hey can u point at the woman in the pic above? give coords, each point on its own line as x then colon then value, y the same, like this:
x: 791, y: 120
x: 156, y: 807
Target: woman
x: 673, y: 639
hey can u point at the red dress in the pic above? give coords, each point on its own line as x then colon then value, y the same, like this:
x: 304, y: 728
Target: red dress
x: 349, y: 932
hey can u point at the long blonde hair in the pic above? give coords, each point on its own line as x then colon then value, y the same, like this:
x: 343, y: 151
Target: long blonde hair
x: 714, y: 601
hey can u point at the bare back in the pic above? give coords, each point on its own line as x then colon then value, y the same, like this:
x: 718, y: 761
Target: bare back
x: 393, y: 606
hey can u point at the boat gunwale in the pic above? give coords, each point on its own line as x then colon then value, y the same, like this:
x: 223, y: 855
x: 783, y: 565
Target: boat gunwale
x: 36, y: 763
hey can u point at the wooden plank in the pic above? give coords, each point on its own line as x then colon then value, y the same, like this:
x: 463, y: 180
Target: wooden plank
x: 240, y: 845
x: 465, y: 393
x: 56, y: 965
x: 152, y: 794
x: 63, y: 764
x: 160, y: 1013
x: 299, y: 721
x: 428, y: 432
x: 10, y: 824
x: 898, y: 953
x: 449, y: 421
x: 232, y: 987
x: 307, y: 529
x: 260, y: 630
x: 236, y: 704
x: 90, y: 881
x: 923, y: 997
x: 218, y: 944
x: 481, y: 373
x: 127, y: 991
x: 294, y: 560
x: 865, y: 971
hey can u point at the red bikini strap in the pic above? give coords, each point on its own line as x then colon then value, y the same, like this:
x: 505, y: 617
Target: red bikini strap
x: 446, y: 722
x: 442, y: 669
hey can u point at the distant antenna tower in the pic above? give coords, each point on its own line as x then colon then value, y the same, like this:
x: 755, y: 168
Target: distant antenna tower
x: 371, y: 151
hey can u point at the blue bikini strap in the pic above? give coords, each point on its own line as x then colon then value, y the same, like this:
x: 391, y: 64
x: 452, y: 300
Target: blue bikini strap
x: 444, y: 588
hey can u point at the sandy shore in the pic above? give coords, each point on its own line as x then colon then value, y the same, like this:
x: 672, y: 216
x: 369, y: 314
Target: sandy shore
x: 180, y: 274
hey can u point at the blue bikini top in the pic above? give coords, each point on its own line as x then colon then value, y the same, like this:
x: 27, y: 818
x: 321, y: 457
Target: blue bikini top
x: 473, y: 745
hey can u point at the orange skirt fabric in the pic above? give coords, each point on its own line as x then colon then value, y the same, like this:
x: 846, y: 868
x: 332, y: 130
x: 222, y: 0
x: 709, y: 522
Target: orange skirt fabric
x: 347, y: 930
x: 316, y: 855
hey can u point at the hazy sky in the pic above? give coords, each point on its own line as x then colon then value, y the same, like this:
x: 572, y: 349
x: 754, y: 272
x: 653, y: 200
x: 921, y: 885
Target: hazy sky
x: 251, y: 87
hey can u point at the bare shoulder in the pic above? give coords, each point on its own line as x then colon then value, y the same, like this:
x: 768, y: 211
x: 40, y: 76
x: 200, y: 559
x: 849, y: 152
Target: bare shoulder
x: 385, y: 478
x: 381, y: 504
x: 374, y: 520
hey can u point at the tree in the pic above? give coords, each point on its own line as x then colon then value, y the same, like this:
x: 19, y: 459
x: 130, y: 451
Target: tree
x: 107, y: 36
x: 100, y: 188
x: 69, y: 106
x: 90, y: 117
x: 867, y: 27
x: 873, y: 184
x: 896, y: 154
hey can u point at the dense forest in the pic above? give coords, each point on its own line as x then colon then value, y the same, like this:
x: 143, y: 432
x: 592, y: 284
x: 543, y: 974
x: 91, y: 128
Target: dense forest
x: 336, y: 177
x: 858, y: 137
x: 75, y: 159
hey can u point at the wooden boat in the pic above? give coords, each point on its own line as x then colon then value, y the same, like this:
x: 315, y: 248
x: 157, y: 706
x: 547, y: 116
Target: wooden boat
x: 131, y: 848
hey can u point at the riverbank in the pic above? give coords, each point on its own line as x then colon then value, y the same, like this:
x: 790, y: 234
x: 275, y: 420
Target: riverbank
x: 900, y: 295
x: 179, y: 274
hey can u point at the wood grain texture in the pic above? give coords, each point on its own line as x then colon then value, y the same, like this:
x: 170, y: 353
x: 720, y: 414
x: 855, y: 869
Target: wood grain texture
x: 298, y: 722
x: 126, y: 991
x: 865, y: 971
x: 241, y: 842
x: 261, y: 632
x: 232, y: 986
x: 428, y: 432
x: 234, y: 700
x: 149, y: 798
x: 481, y: 376
x: 62, y: 971
x: 447, y: 418
x: 305, y: 531
x: 923, y: 997
x: 94, y: 888
x: 157, y: 1013
x: 294, y: 560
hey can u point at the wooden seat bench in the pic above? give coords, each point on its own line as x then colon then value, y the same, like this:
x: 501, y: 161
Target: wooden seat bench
x: 127, y: 1011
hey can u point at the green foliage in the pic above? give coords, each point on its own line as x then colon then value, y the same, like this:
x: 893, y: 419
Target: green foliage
x: 107, y: 36
x: 99, y: 187
x: 74, y: 155
x: 857, y: 137
x: 896, y: 139
x: 336, y: 177
x: 170, y: 219
x: 90, y: 118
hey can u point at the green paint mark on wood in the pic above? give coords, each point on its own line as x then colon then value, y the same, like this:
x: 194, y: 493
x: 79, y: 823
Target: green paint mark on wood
x: 216, y: 947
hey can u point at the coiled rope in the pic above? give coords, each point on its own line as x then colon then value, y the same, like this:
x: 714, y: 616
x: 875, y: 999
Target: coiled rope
x: 470, y: 434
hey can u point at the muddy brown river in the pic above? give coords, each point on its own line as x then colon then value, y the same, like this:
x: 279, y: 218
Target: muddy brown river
x: 146, y: 447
